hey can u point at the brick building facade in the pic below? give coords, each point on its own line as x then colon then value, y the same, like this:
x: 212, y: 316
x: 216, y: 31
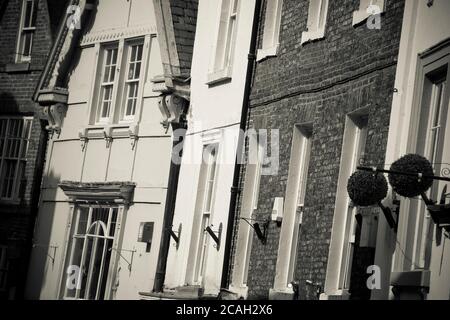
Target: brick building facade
x: 319, y: 85
x: 26, y: 36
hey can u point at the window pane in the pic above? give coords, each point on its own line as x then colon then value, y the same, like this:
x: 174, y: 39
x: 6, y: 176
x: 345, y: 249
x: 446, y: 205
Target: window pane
x: 27, y: 39
x: 28, y: 14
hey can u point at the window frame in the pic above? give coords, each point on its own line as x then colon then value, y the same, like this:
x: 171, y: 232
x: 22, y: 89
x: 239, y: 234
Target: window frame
x: 119, y: 86
x: 74, y: 221
x: 23, y: 30
x: 25, y: 137
x: 206, y: 190
x: 318, y: 18
x: 271, y: 33
x: 222, y: 57
x: 343, y: 231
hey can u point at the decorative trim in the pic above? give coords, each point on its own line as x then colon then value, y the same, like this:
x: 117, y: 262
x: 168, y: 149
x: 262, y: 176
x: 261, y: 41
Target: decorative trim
x: 115, y: 34
x: 117, y: 192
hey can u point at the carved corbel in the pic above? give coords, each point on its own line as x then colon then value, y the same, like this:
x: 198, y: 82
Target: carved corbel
x: 82, y: 134
x: 55, y: 114
x: 107, y: 133
x: 172, y: 109
x: 133, y: 132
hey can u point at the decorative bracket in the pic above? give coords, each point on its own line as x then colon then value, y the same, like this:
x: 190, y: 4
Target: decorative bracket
x: 130, y: 263
x: 215, y: 237
x: 107, y: 133
x: 52, y: 257
x: 82, y: 134
x: 172, y: 109
x: 133, y: 134
x: 261, y: 234
x: 176, y: 235
x: 55, y: 114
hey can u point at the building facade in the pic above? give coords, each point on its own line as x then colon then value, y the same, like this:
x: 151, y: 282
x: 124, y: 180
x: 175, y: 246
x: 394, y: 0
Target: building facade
x: 323, y: 84
x: 104, y: 189
x: 218, y: 77
x: 27, y: 30
x: 415, y: 261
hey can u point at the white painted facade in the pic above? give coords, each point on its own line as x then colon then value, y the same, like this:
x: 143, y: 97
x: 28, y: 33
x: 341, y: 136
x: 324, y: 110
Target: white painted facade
x: 425, y: 25
x: 81, y: 153
x: 214, y: 116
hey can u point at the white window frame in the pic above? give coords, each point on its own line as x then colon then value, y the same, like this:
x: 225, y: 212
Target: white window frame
x: 119, y: 94
x: 293, y: 207
x: 222, y: 61
x: 344, y: 222
x: 74, y: 236
x: 364, y: 10
x: 3, y: 268
x: 272, y: 24
x: 412, y: 252
x: 317, y: 20
x: 127, y: 82
x: 206, y: 193
x: 30, y: 28
x: 19, y: 153
x: 433, y: 120
x: 102, y: 83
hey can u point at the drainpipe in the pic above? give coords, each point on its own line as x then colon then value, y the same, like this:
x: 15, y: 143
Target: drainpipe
x: 171, y: 195
x: 237, y: 167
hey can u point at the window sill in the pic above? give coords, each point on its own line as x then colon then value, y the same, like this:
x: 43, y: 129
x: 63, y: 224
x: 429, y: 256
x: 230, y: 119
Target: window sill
x: 119, y: 130
x: 308, y: 36
x: 265, y: 53
x: 219, y: 76
x: 417, y: 278
x: 17, y: 67
x: 338, y: 295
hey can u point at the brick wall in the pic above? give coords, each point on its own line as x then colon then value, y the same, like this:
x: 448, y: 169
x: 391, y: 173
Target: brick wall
x: 320, y: 82
x: 16, y: 90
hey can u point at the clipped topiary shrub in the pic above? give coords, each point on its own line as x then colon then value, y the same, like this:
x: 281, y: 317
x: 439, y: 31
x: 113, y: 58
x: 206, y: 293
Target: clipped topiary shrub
x: 411, y: 186
x: 367, y: 188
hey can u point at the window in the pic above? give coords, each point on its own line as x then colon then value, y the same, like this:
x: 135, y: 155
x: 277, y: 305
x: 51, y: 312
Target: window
x: 340, y: 257
x: 226, y: 39
x: 317, y: 16
x: 119, y: 81
x: 26, y: 31
x: 271, y: 29
x: 366, y: 9
x: 14, y: 141
x: 107, y: 84
x: 430, y: 144
x: 355, y: 136
x: 91, y: 250
x: 206, y: 191
x: 3, y: 268
x: 255, y: 185
x: 294, y: 205
x: 303, y: 153
x: 132, y: 81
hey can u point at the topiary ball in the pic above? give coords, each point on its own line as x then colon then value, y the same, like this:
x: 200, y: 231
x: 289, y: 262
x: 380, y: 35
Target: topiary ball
x: 411, y: 186
x: 366, y: 188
